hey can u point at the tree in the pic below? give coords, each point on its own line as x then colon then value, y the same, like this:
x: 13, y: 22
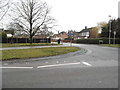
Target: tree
x: 3, y: 34
x: 15, y: 28
x: 94, y: 33
x: 118, y: 28
x: 105, y: 32
x: 4, y: 6
x: 32, y: 15
x: 115, y: 26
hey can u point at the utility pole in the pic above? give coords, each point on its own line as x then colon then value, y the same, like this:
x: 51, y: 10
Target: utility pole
x: 114, y: 36
x: 109, y: 29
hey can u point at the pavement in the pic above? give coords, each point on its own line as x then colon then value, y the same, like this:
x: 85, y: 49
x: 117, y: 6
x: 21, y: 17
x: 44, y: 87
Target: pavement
x: 93, y: 67
x: 28, y: 47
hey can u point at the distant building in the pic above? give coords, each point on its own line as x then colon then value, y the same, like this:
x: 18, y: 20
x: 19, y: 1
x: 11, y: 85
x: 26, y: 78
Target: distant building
x: 92, y: 32
x: 61, y: 35
x: 55, y: 37
x: 9, y: 33
x: 1, y: 29
x: 85, y: 33
x: 73, y: 34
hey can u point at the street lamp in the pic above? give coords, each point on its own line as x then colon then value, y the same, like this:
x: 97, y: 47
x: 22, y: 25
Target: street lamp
x: 114, y: 36
x: 109, y: 28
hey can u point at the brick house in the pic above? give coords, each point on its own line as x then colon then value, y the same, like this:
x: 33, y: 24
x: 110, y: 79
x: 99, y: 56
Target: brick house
x: 61, y: 35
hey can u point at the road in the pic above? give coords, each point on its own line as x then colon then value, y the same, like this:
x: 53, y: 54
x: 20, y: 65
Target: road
x: 93, y: 67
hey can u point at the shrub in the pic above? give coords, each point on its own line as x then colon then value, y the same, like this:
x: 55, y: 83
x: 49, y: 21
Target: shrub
x: 96, y: 41
x: 3, y: 35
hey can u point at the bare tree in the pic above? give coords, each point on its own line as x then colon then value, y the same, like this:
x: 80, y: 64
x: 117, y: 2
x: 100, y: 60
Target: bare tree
x: 15, y: 27
x: 4, y: 6
x: 32, y: 15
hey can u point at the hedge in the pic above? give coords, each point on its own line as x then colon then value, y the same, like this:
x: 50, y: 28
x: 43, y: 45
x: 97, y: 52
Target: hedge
x: 98, y: 41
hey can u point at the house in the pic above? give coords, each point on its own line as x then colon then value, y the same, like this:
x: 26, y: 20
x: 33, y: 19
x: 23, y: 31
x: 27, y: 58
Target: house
x: 85, y: 33
x: 92, y: 32
x: 73, y: 34
x: 62, y: 35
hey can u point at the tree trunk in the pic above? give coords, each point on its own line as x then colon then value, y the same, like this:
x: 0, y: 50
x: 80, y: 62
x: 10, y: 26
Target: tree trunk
x: 31, y: 39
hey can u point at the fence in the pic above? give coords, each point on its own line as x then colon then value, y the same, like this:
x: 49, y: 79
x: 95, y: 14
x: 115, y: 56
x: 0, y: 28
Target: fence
x: 25, y: 40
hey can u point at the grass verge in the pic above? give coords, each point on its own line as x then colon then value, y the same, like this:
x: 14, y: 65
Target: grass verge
x: 111, y: 45
x: 36, y: 52
x: 4, y: 45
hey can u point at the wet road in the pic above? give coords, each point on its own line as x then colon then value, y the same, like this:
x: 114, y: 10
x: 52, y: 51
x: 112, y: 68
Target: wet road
x: 92, y: 67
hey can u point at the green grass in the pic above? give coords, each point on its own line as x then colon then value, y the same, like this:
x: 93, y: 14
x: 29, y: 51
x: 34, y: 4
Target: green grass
x: 36, y: 52
x: 26, y: 44
x: 111, y: 45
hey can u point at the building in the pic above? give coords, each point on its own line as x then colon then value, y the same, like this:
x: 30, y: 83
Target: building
x: 62, y: 35
x: 85, y: 33
x: 73, y: 34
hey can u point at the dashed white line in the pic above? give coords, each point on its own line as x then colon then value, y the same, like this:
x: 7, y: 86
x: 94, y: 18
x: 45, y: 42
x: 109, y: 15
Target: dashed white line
x: 57, y: 62
x: 46, y: 62
x: 5, y: 64
x: 27, y: 63
x: 58, y: 65
x: 86, y: 63
x: 16, y: 67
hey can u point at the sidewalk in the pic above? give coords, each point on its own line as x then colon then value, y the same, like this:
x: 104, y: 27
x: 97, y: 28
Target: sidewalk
x: 27, y: 47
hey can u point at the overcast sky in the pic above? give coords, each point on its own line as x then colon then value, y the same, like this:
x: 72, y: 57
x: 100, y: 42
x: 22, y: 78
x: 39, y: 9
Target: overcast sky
x: 76, y: 14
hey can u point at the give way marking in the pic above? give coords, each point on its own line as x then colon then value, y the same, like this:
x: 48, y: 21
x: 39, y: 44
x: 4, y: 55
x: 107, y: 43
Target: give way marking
x: 55, y: 65
x: 16, y: 67
x: 47, y: 66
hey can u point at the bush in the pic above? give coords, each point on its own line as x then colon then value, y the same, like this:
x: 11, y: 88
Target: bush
x: 3, y: 35
x: 96, y: 41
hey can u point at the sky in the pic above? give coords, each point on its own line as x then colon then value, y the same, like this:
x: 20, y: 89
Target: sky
x: 76, y: 14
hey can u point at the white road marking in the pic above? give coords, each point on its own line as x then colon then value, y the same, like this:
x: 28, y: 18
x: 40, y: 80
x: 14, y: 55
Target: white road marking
x: 105, y: 47
x: 27, y: 63
x: 5, y: 64
x: 57, y: 62
x: 86, y: 63
x: 46, y: 62
x: 16, y: 67
x: 109, y: 47
x: 58, y: 65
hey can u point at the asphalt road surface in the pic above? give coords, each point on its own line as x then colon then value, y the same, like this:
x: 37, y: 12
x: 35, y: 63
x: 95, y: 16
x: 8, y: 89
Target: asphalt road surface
x: 92, y: 67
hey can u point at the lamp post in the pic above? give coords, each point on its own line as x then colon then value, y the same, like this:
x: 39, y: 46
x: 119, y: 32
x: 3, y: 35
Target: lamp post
x: 109, y: 28
x: 62, y: 37
x: 114, y: 36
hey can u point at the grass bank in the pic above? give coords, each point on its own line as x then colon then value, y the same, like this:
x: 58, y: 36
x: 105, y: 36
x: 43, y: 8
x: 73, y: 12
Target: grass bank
x: 111, y: 45
x: 4, y: 45
x: 36, y: 52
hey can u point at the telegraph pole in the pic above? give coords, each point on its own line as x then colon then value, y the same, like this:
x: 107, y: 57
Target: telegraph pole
x: 109, y: 29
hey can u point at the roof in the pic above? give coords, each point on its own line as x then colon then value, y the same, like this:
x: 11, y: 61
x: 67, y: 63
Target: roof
x: 86, y: 30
